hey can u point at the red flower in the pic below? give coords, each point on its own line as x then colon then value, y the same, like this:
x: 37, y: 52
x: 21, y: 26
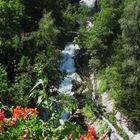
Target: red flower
x: 87, y: 137
x: 19, y: 112
x: 92, y: 130
x: 2, y: 119
x: 90, y: 135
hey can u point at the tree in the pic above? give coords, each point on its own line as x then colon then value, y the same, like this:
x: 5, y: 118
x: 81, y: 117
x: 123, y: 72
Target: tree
x: 101, y: 37
x: 109, y: 3
x: 28, y: 57
x: 130, y: 65
x: 122, y: 78
x: 10, y: 19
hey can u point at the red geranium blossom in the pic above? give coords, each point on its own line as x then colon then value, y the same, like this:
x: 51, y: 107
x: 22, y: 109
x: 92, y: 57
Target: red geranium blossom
x: 87, y: 137
x: 19, y: 112
x: 92, y: 130
x: 90, y: 135
x: 2, y: 119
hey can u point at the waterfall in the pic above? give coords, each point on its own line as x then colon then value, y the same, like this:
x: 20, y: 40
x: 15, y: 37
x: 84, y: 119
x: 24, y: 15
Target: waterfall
x: 88, y: 3
x: 68, y: 65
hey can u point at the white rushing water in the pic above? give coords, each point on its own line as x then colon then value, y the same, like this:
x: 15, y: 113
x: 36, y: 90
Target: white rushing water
x: 89, y: 3
x: 68, y: 65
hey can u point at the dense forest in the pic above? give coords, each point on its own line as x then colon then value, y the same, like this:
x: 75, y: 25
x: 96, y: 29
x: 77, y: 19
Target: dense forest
x: 33, y: 34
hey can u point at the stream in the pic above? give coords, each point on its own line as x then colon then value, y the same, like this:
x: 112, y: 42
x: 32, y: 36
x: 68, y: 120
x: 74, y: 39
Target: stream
x: 68, y: 65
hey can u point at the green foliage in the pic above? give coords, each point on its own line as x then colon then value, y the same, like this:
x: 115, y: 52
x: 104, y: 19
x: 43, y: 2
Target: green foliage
x: 103, y: 130
x: 76, y: 131
x: 87, y: 111
x: 66, y: 102
x: 31, y: 33
x: 109, y: 3
x: 113, y: 45
x: 10, y: 22
x: 34, y: 57
x: 102, y: 36
x: 48, y: 31
x: 63, y: 103
x: 10, y: 19
x: 9, y: 93
x: 99, y: 39
x: 124, y: 86
x: 35, y: 130
x: 73, y: 17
